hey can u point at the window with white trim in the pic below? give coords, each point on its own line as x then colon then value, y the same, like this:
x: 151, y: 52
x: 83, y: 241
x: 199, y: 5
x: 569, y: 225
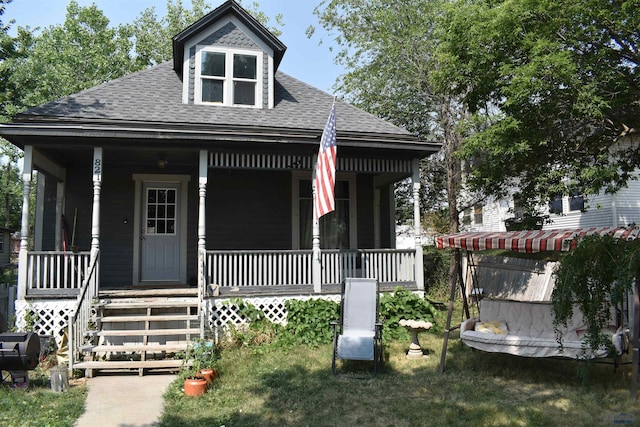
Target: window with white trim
x: 337, y: 228
x: 228, y: 77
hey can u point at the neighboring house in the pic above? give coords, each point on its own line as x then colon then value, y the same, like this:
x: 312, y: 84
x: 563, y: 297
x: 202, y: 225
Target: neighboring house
x: 196, y: 175
x: 565, y: 212
x: 5, y: 247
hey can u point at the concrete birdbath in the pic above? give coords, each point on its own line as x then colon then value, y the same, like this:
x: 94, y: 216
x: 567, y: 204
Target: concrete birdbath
x: 414, y: 327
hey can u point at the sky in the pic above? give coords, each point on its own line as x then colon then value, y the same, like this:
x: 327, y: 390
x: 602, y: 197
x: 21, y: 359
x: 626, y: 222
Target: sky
x: 305, y: 59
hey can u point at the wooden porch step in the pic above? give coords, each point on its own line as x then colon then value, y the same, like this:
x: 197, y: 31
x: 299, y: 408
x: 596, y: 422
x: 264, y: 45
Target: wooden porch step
x: 146, y: 304
x: 151, y: 318
x: 147, y: 332
x: 130, y: 364
x: 148, y: 348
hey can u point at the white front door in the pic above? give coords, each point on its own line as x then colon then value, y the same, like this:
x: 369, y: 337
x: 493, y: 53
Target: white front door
x: 160, y: 232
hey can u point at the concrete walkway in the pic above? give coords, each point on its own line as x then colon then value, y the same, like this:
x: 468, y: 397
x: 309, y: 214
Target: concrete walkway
x: 124, y: 400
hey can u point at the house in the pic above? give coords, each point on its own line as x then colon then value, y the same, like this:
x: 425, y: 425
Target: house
x: 565, y: 211
x: 5, y: 248
x: 191, y: 181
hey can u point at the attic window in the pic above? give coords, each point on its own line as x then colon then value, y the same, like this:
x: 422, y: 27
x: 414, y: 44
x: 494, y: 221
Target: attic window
x: 228, y: 78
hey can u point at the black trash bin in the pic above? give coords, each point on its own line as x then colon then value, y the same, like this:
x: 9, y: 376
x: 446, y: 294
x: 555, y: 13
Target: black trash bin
x: 19, y: 351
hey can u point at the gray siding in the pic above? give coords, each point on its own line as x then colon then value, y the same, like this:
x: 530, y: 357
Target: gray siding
x: 49, y: 213
x: 248, y: 210
x: 366, y: 236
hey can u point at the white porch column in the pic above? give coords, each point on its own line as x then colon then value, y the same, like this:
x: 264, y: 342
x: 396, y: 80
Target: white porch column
x: 24, y: 227
x: 417, y: 224
x: 97, y: 186
x: 316, y: 263
x: 202, y: 223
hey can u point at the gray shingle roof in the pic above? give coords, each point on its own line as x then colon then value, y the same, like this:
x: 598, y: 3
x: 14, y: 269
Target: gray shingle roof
x: 154, y: 96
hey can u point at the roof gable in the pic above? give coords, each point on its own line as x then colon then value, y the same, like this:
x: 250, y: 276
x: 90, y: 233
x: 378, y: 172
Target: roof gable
x: 231, y: 8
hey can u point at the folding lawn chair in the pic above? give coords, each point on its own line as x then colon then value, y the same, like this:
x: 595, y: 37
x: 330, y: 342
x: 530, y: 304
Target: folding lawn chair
x: 358, y: 333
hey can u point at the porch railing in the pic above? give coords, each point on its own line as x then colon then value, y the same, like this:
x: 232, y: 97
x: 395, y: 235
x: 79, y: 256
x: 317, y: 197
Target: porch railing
x: 81, y: 315
x: 274, y: 268
x: 56, y: 270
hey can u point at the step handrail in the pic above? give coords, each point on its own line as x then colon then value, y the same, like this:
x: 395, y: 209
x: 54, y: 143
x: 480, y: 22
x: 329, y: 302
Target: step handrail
x: 81, y: 313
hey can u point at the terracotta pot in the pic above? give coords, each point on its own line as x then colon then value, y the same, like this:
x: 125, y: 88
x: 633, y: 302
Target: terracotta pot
x: 209, y: 374
x: 195, y: 386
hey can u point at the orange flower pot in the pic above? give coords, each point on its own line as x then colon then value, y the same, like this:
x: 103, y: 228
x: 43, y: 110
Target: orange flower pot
x: 209, y: 374
x: 195, y: 386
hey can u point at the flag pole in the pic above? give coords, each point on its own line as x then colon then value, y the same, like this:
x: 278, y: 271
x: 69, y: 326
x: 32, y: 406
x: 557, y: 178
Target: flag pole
x: 323, y: 185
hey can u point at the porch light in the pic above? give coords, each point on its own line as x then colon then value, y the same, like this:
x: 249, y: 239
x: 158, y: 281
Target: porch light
x: 162, y: 162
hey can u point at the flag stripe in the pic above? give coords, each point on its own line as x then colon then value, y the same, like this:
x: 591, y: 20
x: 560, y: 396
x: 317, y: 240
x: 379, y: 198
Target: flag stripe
x: 326, y: 168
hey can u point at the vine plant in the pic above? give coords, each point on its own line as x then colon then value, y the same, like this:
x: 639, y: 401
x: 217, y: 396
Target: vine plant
x: 595, y: 277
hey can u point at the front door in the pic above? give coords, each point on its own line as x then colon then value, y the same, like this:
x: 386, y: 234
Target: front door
x: 160, y: 232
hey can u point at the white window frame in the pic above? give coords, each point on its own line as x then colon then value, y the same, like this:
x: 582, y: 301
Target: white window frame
x: 228, y: 78
x: 295, y: 206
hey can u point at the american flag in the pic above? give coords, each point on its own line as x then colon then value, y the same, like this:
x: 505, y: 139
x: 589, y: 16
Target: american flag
x: 326, y: 168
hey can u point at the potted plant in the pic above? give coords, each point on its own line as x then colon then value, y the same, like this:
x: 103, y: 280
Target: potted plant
x: 201, y: 359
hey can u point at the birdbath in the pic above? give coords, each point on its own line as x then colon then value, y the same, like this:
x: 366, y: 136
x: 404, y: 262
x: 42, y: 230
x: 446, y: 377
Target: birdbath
x: 415, y: 326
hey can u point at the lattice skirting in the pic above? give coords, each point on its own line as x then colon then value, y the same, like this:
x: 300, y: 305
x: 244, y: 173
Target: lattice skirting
x: 222, y: 313
x: 48, y: 317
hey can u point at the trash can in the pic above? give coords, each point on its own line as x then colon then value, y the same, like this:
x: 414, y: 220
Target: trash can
x: 59, y: 378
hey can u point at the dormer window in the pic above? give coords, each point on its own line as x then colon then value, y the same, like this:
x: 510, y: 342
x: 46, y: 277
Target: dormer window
x: 228, y: 77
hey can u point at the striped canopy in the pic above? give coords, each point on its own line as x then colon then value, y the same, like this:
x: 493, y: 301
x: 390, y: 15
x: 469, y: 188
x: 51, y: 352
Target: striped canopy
x: 530, y: 240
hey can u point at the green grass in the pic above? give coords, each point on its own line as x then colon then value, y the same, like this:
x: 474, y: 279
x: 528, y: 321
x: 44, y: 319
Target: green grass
x: 296, y: 387
x: 38, y: 406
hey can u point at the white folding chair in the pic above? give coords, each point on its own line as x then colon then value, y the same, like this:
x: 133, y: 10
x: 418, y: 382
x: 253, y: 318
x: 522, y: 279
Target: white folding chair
x: 357, y: 335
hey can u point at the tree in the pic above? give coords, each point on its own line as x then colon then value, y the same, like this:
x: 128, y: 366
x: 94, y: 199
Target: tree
x: 67, y: 58
x: 389, y: 52
x: 557, y: 86
x: 152, y: 36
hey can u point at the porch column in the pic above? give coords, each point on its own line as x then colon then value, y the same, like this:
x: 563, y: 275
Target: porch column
x: 417, y: 226
x: 97, y: 186
x: 202, y: 234
x: 24, y: 227
x: 202, y: 223
x: 316, y: 262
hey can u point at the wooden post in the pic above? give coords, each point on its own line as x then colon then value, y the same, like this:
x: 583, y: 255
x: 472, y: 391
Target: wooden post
x: 97, y: 186
x: 417, y: 225
x: 316, y: 263
x: 635, y: 339
x: 203, y: 168
x: 24, y: 227
x: 454, y: 276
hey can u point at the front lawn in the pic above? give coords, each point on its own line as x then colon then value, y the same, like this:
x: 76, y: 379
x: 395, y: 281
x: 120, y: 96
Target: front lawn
x: 38, y: 406
x: 294, y: 386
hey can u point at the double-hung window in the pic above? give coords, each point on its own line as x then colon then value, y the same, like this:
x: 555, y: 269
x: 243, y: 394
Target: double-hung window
x: 229, y: 78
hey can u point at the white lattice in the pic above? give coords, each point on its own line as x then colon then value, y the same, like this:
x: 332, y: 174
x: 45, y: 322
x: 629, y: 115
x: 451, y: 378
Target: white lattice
x: 51, y: 317
x: 222, y: 313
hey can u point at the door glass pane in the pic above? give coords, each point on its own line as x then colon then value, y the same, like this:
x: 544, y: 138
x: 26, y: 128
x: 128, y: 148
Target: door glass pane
x: 161, y: 210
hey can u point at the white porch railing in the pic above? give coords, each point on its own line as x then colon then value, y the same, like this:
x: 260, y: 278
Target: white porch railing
x: 81, y: 316
x: 56, y: 270
x: 274, y: 268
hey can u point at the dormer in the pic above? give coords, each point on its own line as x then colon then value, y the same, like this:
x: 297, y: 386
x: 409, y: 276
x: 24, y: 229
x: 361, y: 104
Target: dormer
x: 227, y: 58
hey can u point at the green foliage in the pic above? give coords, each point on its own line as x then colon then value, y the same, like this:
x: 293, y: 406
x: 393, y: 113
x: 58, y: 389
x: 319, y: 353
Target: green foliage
x: 258, y: 332
x: 403, y: 304
x: 200, y: 354
x: 436, y: 272
x: 308, y: 321
x: 560, y: 81
x: 595, y: 277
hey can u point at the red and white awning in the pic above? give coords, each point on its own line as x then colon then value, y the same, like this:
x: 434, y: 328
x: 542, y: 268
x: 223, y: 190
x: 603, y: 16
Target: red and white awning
x: 530, y: 240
